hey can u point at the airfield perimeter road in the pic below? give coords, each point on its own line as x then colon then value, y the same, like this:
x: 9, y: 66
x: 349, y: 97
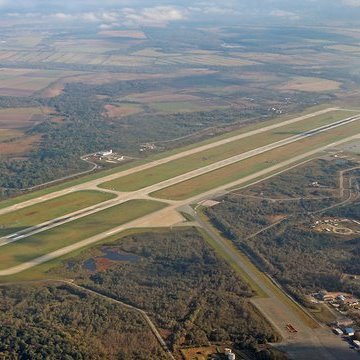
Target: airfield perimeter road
x: 94, y: 183
x: 144, y: 193
x: 307, y: 343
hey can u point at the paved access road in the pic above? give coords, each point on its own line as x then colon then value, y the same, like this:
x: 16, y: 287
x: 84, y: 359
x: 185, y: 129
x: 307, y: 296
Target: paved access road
x: 307, y: 343
x: 92, y: 184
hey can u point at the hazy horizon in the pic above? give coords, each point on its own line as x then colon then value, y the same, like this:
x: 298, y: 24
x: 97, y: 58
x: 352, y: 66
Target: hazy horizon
x: 125, y: 13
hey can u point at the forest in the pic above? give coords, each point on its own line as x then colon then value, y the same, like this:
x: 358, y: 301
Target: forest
x: 194, y: 297
x: 301, y: 259
x: 56, y: 322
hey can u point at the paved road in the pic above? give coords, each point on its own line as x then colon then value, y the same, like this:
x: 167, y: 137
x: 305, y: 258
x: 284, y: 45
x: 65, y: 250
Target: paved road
x: 148, y: 219
x: 143, y: 193
x: 94, y: 183
x: 307, y: 343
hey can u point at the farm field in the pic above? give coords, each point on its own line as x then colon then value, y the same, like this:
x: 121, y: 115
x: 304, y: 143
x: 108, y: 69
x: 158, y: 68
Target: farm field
x: 310, y: 84
x: 6, y: 134
x: 45, y: 242
x: 121, y: 110
x: 184, y: 106
x: 236, y: 171
x: 20, y: 118
x: 24, y: 82
x: 51, y: 209
x: 174, y: 168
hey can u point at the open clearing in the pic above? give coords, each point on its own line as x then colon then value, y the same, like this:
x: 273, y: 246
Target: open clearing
x: 24, y: 82
x: 20, y: 118
x: 174, y: 168
x: 254, y: 164
x: 45, y: 242
x: 310, y: 84
x: 122, y: 110
x: 39, y: 213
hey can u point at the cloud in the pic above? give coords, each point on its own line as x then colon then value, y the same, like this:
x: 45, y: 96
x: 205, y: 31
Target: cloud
x: 284, y: 14
x: 158, y: 15
x: 151, y: 16
x: 354, y: 3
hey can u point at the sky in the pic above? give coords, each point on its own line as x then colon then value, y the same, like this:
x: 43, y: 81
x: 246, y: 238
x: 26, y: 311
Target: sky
x: 137, y: 13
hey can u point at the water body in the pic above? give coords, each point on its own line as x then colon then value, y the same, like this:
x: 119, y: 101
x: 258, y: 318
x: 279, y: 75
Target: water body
x: 110, y: 254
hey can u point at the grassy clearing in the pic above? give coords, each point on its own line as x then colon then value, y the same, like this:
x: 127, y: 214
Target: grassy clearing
x: 45, y: 242
x: 119, y: 169
x: 174, y: 168
x: 183, y: 107
x: 51, y: 209
x: 236, y: 171
x: 43, y: 271
x: 260, y: 276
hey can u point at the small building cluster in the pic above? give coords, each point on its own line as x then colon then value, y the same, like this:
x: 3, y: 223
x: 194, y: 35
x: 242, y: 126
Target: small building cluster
x: 229, y: 354
x: 147, y: 147
x: 108, y: 156
x: 337, y: 300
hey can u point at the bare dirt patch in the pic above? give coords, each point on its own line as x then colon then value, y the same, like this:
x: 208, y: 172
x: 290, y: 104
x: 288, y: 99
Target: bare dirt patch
x: 121, y: 111
x: 161, y: 96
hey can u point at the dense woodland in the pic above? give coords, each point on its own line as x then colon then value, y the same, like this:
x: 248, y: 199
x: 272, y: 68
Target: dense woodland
x: 302, y: 259
x: 193, y: 296
x: 56, y: 322
x: 85, y: 129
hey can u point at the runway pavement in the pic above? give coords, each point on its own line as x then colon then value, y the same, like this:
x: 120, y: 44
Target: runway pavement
x: 92, y: 184
x: 308, y: 343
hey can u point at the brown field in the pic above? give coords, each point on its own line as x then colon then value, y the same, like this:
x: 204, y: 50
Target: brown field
x: 310, y: 84
x: 20, y: 118
x: 206, y: 60
x: 6, y: 134
x: 56, y: 88
x: 134, y: 34
x: 20, y: 146
x: 160, y: 96
x: 121, y: 110
x: 24, y: 82
x: 198, y: 353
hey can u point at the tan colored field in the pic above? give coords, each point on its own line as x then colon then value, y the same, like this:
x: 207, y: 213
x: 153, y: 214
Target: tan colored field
x: 104, y: 78
x: 121, y: 110
x: 19, y: 118
x: 134, y: 34
x: 160, y: 96
x: 310, y: 84
x: 6, y: 134
x: 198, y: 353
x: 19, y: 146
x: 206, y: 60
x: 24, y: 82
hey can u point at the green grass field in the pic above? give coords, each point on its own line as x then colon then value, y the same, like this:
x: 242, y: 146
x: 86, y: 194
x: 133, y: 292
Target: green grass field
x: 119, y: 169
x: 174, y: 168
x: 45, y: 242
x: 51, y: 209
x: 241, y: 169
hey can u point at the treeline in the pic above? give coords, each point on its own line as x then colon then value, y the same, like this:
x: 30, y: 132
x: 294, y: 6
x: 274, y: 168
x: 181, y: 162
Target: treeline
x: 85, y: 129
x: 302, y: 259
x: 180, y: 282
